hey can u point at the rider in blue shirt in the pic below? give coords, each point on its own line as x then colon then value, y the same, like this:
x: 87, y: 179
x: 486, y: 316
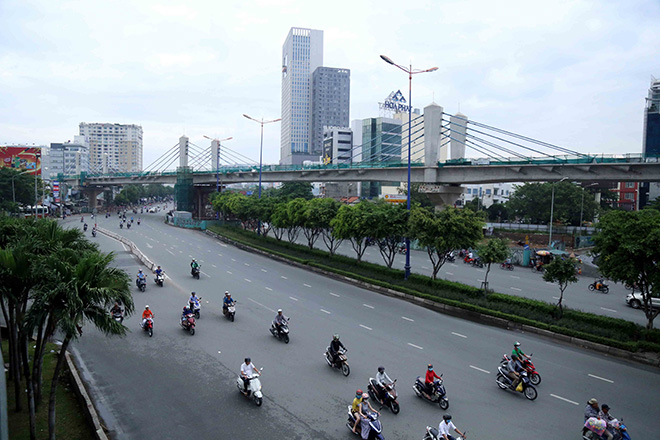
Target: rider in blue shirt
x: 140, y: 277
x: 227, y: 301
x: 193, y: 301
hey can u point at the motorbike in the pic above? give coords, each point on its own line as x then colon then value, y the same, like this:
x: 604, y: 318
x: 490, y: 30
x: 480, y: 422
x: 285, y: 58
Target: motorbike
x: 450, y: 257
x: 505, y: 265
x: 376, y: 428
x: 230, y: 311
x: 283, y: 333
x: 159, y: 279
x: 537, y: 268
x: 433, y: 434
x: 196, y: 307
x: 505, y: 383
x: 439, y: 395
x: 620, y: 434
x: 138, y: 222
x: 253, y: 388
x: 118, y: 316
x: 599, y: 286
x: 534, y: 376
x: 188, y: 323
x: 121, y: 226
x: 85, y: 227
x: 141, y: 284
x: 475, y: 262
x: 195, y: 272
x: 148, y: 326
x: 93, y: 232
x: 389, y: 397
x: 128, y: 225
x: 342, y: 361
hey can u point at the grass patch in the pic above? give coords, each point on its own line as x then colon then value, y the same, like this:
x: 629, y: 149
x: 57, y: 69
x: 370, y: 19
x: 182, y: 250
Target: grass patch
x: 71, y: 423
x: 614, y: 332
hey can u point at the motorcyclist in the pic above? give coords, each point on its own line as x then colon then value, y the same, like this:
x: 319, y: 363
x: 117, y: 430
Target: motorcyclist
x: 140, y: 277
x: 599, y: 284
x: 193, y: 301
x: 446, y: 426
x: 194, y: 264
x: 85, y: 227
x: 248, y: 369
x: 365, y: 409
x: 382, y: 380
x: 335, y: 346
x: 279, y: 321
x: 227, y: 301
x: 518, y: 352
x: 355, y: 408
x: 94, y: 231
x: 605, y: 415
x: 158, y: 271
x: 184, y: 315
x: 116, y: 310
x: 139, y: 219
x: 513, y: 369
x: 147, y: 314
x: 591, y: 410
x: 428, y: 381
x: 121, y: 225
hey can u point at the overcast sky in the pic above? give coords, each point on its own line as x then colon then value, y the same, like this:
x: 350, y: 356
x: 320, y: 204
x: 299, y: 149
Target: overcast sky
x: 574, y: 73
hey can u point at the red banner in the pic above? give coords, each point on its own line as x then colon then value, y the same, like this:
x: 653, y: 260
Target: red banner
x: 21, y: 159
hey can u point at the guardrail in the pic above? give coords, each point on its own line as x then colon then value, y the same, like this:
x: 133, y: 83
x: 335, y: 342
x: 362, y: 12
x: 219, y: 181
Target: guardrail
x: 134, y: 249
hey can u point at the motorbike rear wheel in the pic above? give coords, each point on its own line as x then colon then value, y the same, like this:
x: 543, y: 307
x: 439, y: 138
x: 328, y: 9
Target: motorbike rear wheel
x: 192, y: 331
x: 345, y: 369
x: 444, y: 404
x: 394, y: 406
x: 591, y: 287
x: 605, y: 289
x: 151, y: 332
x: 196, y: 315
x: 501, y: 381
x: 535, y: 378
x: 530, y: 392
x: 286, y: 338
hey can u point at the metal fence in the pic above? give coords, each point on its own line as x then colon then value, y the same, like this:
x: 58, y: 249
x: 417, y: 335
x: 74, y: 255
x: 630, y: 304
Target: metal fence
x: 585, y: 230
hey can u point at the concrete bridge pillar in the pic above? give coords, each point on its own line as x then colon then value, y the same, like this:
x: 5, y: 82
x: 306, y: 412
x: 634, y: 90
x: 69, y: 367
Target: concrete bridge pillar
x: 433, y: 139
x: 92, y: 194
x: 183, y: 151
x: 458, y: 125
x: 104, y: 163
x: 215, y: 154
x: 442, y: 195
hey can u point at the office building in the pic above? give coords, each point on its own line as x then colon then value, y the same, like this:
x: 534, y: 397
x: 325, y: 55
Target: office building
x: 649, y: 191
x: 337, y: 145
x: 487, y: 194
x: 381, y: 143
x: 119, y: 144
x: 330, y: 102
x: 627, y: 195
x: 302, y: 54
x: 67, y: 158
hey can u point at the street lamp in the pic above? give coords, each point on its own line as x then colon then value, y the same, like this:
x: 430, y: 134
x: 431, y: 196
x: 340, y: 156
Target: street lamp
x: 410, y: 73
x: 217, y: 160
x: 582, y: 203
x: 552, y: 209
x: 13, y: 190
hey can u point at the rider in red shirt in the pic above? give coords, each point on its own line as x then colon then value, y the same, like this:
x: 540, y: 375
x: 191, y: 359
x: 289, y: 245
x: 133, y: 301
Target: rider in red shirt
x: 430, y: 377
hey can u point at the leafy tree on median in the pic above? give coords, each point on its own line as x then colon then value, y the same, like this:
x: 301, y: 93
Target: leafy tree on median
x: 354, y: 223
x: 295, y: 190
x: 444, y: 231
x: 628, y: 244
x: 390, y: 225
x: 561, y: 271
x: 318, y: 214
x: 493, y: 251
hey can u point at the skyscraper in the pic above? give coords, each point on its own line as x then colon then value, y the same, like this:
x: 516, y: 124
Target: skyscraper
x: 302, y: 53
x: 120, y: 143
x: 330, y: 102
x: 649, y: 191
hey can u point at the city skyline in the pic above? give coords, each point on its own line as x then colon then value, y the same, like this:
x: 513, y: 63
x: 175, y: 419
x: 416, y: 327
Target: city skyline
x: 556, y: 72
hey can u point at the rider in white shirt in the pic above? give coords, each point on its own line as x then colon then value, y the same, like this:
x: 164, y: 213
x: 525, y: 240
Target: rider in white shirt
x: 382, y: 379
x: 248, y: 370
x: 446, y: 426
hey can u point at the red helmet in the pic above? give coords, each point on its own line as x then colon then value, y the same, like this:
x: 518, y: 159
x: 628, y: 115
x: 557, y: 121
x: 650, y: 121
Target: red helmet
x: 358, y: 393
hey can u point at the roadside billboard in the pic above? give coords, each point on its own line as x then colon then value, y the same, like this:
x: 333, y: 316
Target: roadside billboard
x: 21, y: 159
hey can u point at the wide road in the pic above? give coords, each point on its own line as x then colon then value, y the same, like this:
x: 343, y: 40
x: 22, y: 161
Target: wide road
x: 175, y: 385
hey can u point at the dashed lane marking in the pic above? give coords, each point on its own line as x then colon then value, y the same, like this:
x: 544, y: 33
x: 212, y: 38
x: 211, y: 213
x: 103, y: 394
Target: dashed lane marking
x: 514, y: 276
x: 204, y: 273
x: 149, y: 246
x: 249, y: 281
x: 229, y: 273
x: 408, y: 319
x: 325, y: 311
x: 306, y: 285
x: 264, y: 270
x: 449, y: 273
x: 368, y: 306
x: 458, y: 334
x: 295, y: 299
x: 515, y: 288
x: 416, y: 346
x: 564, y: 399
x: 608, y: 310
x: 214, y: 265
x: 334, y: 294
x: 365, y: 327
x: 480, y: 369
x: 424, y: 267
x: 283, y: 277
x: 268, y: 288
x: 169, y: 251
x: 233, y: 259
x: 247, y: 264
x: 219, y: 255
x: 600, y: 378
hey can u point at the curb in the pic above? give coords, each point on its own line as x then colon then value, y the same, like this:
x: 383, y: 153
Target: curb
x: 647, y: 359
x: 134, y: 249
x: 81, y: 392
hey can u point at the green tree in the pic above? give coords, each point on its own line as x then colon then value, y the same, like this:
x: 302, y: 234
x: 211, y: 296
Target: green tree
x: 444, y: 231
x: 628, y: 244
x: 498, y: 212
x: 23, y: 189
x: 318, y: 214
x: 561, y: 271
x: 533, y: 201
x: 493, y: 251
x: 295, y: 190
x: 353, y: 222
x: 279, y: 220
x: 389, y: 227
x: 327, y: 212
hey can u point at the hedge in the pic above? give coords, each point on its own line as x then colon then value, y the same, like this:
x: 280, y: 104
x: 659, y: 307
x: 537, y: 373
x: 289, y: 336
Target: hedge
x: 605, y: 330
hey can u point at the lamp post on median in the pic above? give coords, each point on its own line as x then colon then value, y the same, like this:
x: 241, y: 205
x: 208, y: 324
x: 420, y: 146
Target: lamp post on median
x: 410, y: 73
x: 552, y: 209
x: 13, y: 190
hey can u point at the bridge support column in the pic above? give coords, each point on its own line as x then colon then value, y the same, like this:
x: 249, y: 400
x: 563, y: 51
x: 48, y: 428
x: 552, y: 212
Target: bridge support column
x: 442, y: 195
x: 92, y: 194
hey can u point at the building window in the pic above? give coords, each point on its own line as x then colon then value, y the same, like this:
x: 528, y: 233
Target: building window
x: 629, y: 196
x: 630, y: 184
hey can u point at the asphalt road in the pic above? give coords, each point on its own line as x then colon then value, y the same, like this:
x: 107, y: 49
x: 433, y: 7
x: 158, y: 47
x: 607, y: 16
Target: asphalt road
x: 175, y: 385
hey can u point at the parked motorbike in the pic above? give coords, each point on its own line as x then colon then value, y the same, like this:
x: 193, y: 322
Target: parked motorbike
x: 439, y: 394
x: 505, y: 383
x: 537, y: 268
x: 283, y: 333
x: 195, y: 272
x: 506, y: 265
x: 342, y: 361
x: 376, y: 428
x: 148, y: 326
x: 188, y: 323
x: 599, y: 286
x: 230, y: 311
x: 389, y: 394
x: 253, y: 388
x: 141, y: 284
x: 159, y: 279
x: 433, y: 434
x: 196, y: 307
x: 534, y: 376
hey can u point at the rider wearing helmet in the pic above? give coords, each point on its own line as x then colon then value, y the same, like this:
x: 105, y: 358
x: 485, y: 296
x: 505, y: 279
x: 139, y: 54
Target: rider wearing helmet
x: 430, y: 378
x: 335, y: 346
x: 517, y: 351
x: 184, y: 313
x: 140, y: 277
x: 248, y: 369
x: 193, y: 301
x: 226, y: 302
x: 193, y: 264
x: 147, y: 314
x: 279, y: 320
x: 446, y: 426
x: 158, y: 271
x: 382, y: 380
x: 365, y: 409
x: 513, y: 369
x: 355, y: 408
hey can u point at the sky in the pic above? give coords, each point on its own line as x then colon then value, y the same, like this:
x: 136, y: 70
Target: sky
x: 573, y: 73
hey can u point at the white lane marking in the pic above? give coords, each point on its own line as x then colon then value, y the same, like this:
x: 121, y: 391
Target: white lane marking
x: 416, y: 346
x: 246, y: 264
x: 201, y: 261
x: 295, y: 299
x: 265, y: 307
x: 214, y: 265
x: 424, y: 267
x: 555, y: 297
x: 157, y: 241
x: 480, y: 369
x: 190, y: 255
x: 149, y: 246
x: 548, y: 282
x: 564, y: 399
x: 249, y: 281
x: 480, y: 270
x: 325, y: 311
x: 169, y: 251
x: 334, y: 294
x: 368, y: 306
x: 364, y: 326
x: 608, y: 310
x: 601, y: 378
x: 229, y: 273
x: 458, y: 334
x: 233, y: 259
x: 180, y: 252
x: 204, y: 273
x: 513, y: 276
x: 124, y: 246
x: 407, y: 319
x: 174, y: 245
x: 222, y: 244
x: 306, y: 285
x: 367, y: 253
x: 268, y: 288
x: 283, y: 277
x: 515, y: 288
x: 449, y: 273
x: 208, y: 250
x: 219, y: 255
x: 264, y: 270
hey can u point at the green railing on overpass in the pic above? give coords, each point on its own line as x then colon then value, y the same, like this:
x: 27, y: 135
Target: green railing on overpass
x: 556, y: 160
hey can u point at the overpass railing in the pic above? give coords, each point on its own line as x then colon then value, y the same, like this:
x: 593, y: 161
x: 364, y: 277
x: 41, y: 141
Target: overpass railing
x: 556, y: 160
